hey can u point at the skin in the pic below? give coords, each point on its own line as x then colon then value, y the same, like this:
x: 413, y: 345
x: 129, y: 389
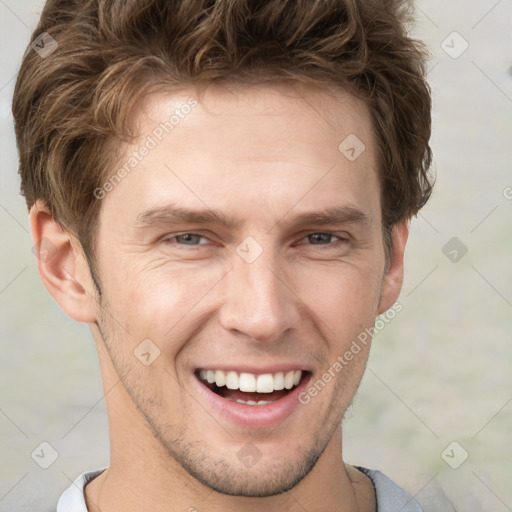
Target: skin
x: 262, y: 156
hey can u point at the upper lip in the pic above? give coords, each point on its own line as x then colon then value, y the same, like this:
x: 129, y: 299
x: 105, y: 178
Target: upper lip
x: 256, y: 370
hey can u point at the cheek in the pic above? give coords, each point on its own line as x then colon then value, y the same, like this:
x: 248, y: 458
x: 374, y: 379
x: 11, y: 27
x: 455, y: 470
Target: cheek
x: 344, y: 297
x: 161, y: 300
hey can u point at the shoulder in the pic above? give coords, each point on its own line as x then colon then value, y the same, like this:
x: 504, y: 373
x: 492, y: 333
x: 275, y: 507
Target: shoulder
x: 72, y: 499
x: 391, y: 497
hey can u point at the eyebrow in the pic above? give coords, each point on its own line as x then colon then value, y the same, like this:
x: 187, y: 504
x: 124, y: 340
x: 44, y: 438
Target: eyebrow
x: 171, y: 214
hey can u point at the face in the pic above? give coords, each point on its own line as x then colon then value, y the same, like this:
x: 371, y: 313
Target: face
x: 238, y: 258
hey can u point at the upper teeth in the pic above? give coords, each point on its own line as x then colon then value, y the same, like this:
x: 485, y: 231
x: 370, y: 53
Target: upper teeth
x: 249, y: 382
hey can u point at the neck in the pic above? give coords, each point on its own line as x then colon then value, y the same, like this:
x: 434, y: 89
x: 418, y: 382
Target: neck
x: 131, y: 484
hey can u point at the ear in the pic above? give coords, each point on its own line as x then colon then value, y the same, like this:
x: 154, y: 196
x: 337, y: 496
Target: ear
x: 62, y: 266
x: 394, y: 277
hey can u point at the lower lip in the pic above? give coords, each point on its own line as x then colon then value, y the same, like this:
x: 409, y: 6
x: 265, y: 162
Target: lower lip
x: 253, y: 416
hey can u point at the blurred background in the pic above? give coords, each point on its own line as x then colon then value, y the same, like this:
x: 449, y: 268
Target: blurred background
x: 435, y: 405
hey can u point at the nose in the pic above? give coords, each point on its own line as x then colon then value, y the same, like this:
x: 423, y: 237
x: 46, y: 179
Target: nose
x: 259, y: 302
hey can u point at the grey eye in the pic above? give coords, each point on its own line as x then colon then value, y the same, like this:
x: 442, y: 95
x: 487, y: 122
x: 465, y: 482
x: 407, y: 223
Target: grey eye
x: 188, y: 239
x: 320, y: 238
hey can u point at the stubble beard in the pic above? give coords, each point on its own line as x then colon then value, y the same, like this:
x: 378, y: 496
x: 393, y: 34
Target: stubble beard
x: 225, y: 475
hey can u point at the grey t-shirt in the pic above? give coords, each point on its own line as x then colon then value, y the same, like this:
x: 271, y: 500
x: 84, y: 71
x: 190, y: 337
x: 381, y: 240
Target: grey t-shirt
x: 390, y: 497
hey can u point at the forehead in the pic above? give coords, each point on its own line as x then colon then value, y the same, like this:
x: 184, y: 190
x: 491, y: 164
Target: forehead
x: 270, y: 147
x: 296, y: 114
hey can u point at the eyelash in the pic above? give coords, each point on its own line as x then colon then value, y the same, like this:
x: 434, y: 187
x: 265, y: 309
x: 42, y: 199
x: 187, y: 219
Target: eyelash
x: 341, y: 239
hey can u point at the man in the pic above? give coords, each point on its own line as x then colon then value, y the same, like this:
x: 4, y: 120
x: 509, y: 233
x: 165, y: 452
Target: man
x: 221, y: 190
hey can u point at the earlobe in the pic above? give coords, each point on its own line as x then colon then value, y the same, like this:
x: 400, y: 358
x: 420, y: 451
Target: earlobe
x: 393, y: 279
x: 61, y: 265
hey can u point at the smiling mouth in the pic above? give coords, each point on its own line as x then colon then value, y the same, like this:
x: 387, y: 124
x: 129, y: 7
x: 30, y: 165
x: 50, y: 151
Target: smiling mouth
x: 249, y: 388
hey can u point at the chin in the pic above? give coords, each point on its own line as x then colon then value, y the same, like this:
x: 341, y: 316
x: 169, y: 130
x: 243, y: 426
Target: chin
x: 261, y: 480
x: 262, y: 476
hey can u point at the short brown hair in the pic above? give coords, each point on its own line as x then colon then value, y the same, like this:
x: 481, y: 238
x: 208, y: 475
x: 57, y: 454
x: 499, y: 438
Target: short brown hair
x: 68, y: 106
